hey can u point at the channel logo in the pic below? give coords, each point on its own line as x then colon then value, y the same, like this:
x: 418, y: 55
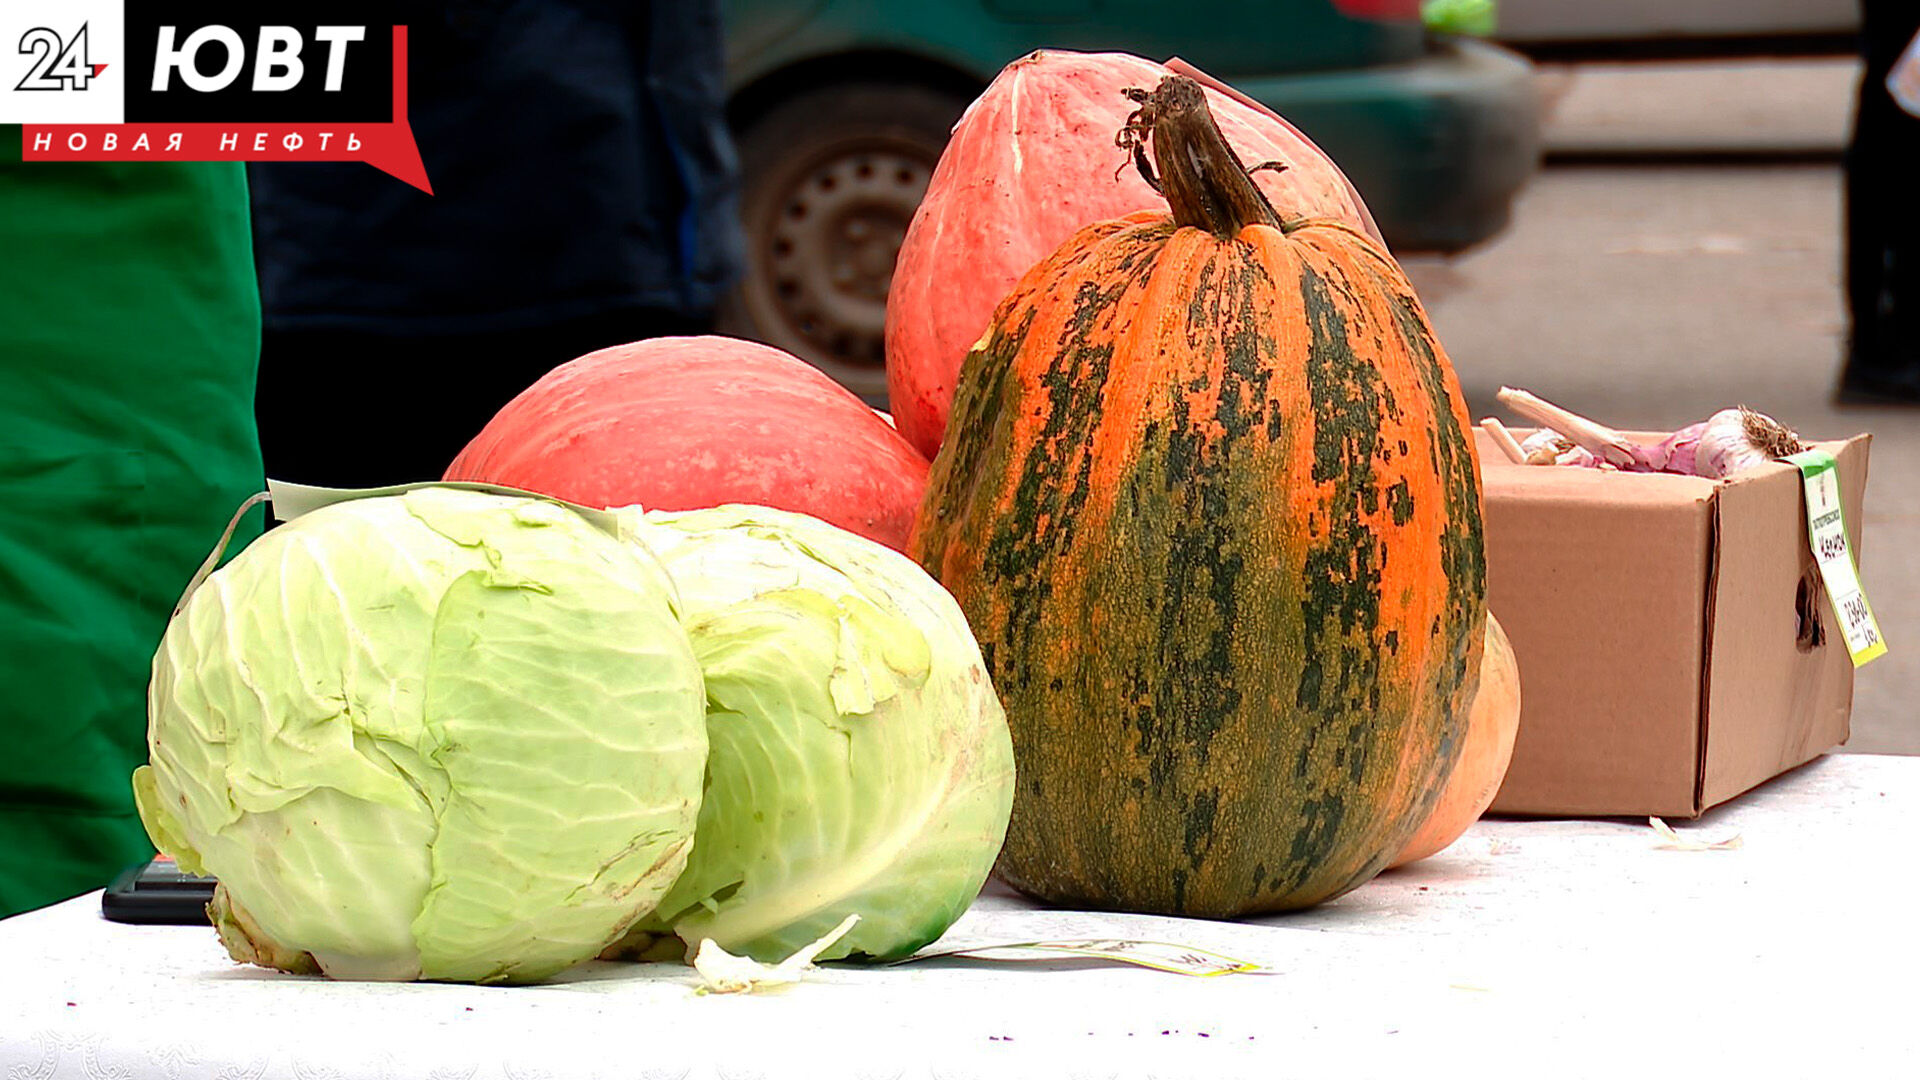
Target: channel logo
x: 57, y: 64
x: 149, y: 80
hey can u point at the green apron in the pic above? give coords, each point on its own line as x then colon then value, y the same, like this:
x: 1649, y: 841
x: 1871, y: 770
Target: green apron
x: 129, y: 341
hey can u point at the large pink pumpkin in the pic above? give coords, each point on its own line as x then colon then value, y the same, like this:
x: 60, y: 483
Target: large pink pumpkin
x: 1031, y: 163
x: 692, y: 422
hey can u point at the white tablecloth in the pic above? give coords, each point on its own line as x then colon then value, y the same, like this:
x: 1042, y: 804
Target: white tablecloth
x: 1528, y: 949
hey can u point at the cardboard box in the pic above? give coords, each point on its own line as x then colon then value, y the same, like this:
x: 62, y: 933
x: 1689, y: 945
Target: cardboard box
x: 1674, y: 642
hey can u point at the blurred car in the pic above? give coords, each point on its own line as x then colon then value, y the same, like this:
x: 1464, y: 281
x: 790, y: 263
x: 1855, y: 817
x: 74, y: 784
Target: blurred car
x: 1649, y: 29
x: 842, y: 107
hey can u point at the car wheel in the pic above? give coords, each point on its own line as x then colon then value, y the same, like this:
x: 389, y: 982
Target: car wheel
x: 830, y: 179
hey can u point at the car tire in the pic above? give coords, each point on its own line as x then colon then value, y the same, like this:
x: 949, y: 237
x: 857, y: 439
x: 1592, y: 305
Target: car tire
x: 830, y: 179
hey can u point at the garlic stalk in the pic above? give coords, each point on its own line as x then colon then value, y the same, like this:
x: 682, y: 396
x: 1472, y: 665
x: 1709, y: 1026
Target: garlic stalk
x: 1603, y: 442
x: 1503, y: 439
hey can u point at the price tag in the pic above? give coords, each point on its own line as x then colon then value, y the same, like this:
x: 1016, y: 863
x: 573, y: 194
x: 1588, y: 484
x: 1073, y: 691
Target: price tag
x: 1827, y: 531
x: 1160, y: 956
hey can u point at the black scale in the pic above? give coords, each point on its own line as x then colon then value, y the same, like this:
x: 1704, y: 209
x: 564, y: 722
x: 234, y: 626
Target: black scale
x: 158, y: 892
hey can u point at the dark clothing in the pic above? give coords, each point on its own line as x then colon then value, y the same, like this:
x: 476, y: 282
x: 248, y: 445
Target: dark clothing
x: 345, y: 408
x: 585, y: 195
x: 1883, y: 219
x: 580, y: 164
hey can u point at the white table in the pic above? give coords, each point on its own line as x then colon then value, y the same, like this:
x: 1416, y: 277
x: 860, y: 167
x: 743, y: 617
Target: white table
x: 1541, y: 949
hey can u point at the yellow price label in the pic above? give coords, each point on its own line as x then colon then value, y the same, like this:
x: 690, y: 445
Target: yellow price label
x: 1827, y: 532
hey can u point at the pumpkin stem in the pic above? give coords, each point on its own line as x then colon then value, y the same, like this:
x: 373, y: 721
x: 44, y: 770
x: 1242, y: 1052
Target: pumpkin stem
x: 1203, y: 180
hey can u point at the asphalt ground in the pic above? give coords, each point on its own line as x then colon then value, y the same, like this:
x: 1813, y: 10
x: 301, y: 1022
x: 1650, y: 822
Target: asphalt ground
x: 1679, y: 253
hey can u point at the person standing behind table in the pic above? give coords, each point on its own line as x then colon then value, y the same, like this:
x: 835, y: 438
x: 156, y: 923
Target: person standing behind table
x: 1883, y: 221
x: 129, y: 332
x: 585, y: 195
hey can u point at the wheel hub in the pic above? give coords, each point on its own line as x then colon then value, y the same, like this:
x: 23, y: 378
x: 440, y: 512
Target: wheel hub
x: 832, y: 248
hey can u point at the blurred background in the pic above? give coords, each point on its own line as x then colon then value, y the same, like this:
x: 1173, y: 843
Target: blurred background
x: 1633, y: 208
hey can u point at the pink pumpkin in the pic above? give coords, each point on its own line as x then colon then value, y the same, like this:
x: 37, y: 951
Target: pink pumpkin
x: 686, y: 423
x: 1031, y: 163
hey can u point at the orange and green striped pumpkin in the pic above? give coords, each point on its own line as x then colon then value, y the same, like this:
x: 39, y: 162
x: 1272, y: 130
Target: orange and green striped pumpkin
x: 1208, y: 501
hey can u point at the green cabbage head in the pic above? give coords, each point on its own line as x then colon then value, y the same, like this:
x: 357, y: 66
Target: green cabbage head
x: 859, y: 761
x: 439, y: 735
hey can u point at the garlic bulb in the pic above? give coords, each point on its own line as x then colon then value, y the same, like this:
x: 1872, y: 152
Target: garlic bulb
x: 1677, y: 452
x: 1734, y: 440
